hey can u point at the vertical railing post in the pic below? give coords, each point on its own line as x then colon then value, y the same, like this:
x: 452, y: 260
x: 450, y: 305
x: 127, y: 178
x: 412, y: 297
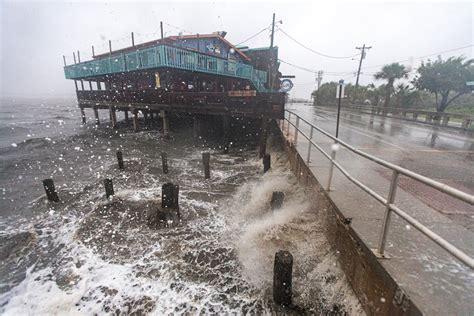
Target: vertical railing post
x: 297, y: 127
x: 289, y: 120
x: 331, y: 166
x: 388, y: 212
x: 309, y: 145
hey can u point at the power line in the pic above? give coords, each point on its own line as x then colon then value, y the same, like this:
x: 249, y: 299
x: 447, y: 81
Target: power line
x: 330, y: 73
x: 312, y: 50
x: 421, y: 57
x: 178, y: 28
x: 376, y: 66
x: 253, y: 36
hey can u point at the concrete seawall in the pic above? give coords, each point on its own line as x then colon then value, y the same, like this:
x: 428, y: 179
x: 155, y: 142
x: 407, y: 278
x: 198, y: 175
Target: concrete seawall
x: 376, y: 289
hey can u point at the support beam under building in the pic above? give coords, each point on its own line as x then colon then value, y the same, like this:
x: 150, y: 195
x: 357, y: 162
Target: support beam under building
x: 226, y: 132
x: 96, y: 115
x: 113, y: 116
x: 197, y: 127
x: 126, y: 116
x: 135, y: 120
x: 166, y: 123
x: 263, y: 137
x: 83, y: 115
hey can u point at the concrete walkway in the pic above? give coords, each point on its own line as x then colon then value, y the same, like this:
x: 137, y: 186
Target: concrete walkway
x: 435, y: 280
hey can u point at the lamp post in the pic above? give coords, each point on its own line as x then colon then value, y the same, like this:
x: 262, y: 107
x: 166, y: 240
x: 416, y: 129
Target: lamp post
x: 339, y: 96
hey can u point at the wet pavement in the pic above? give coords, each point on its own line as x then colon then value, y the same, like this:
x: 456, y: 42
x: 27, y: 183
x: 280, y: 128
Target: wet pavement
x: 443, y: 154
x: 437, y: 282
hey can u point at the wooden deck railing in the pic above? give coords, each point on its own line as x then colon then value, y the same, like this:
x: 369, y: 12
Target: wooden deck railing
x: 166, y: 56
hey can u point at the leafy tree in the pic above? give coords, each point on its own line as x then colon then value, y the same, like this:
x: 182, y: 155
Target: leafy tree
x: 357, y: 94
x: 391, y: 73
x: 326, y: 94
x: 406, y: 96
x: 446, y: 79
x: 375, y: 94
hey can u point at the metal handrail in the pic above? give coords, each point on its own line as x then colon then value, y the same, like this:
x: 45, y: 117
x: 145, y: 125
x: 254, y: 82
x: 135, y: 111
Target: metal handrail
x: 389, y: 202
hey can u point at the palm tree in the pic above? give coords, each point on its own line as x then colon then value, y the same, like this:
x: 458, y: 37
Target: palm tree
x: 391, y: 73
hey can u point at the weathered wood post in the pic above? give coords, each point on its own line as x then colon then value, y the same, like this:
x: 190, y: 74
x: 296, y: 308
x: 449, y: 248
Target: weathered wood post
x: 226, y: 128
x: 277, y: 200
x: 135, y: 120
x: 206, y: 159
x: 164, y: 162
x: 168, y: 199
x: 196, y: 127
x: 125, y: 113
x: 50, y: 190
x: 109, y: 188
x: 267, y: 161
x: 83, y: 115
x: 96, y: 115
x: 176, y: 196
x: 263, y: 137
x: 113, y: 116
x: 282, y: 278
x: 120, y: 159
x: 166, y: 123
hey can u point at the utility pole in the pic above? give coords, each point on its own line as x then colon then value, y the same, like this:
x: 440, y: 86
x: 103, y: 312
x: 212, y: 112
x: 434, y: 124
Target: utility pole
x: 362, y: 56
x: 273, y: 30
x: 272, y: 62
x: 319, y: 78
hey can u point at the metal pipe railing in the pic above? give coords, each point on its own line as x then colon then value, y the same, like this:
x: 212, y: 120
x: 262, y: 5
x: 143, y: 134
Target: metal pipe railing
x: 468, y: 198
x: 389, y: 202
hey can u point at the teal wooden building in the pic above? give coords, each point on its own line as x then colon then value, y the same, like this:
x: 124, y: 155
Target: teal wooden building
x: 195, y: 74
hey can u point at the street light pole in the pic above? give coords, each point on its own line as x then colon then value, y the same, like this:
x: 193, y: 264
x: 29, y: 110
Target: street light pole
x: 341, y: 84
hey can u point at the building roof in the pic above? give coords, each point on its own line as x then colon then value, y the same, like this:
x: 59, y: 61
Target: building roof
x: 171, y: 39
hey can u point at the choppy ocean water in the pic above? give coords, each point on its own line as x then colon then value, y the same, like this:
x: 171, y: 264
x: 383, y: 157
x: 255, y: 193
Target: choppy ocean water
x: 89, y: 255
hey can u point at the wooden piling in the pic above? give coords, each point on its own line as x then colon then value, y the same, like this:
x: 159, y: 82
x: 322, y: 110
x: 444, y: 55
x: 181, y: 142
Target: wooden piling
x: 282, y: 278
x: 176, y: 196
x: 168, y: 198
x: 166, y: 123
x: 125, y: 113
x: 267, y: 161
x: 135, y: 120
x: 263, y: 137
x: 164, y: 162
x: 48, y: 185
x: 120, y: 159
x: 197, y: 127
x: 83, y: 115
x: 109, y: 188
x: 113, y: 116
x: 226, y: 130
x: 277, y: 200
x: 96, y: 115
x: 206, y: 159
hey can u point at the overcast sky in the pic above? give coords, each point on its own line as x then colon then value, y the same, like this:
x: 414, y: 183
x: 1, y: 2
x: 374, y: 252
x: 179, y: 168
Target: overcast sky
x: 35, y: 35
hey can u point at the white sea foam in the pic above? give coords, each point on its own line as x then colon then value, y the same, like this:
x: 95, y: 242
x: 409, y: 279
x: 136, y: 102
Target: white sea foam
x: 219, y: 260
